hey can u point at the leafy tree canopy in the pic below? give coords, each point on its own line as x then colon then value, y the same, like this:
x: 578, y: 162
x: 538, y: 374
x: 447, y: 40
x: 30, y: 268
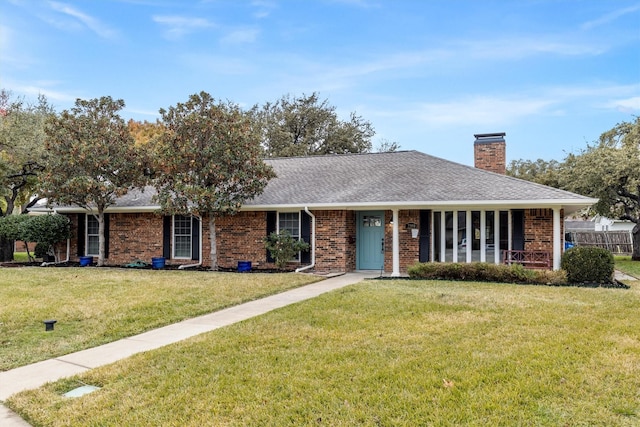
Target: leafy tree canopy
x: 540, y: 171
x: 610, y: 171
x: 306, y: 125
x: 21, y: 149
x: 209, y: 160
x: 92, y: 158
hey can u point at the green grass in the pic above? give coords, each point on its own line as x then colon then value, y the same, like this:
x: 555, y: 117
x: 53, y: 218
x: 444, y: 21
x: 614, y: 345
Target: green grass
x: 20, y: 257
x: 400, y: 353
x: 94, y: 306
x: 624, y: 264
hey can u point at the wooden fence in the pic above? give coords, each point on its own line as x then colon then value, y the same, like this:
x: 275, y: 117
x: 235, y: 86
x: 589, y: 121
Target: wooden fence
x: 617, y: 242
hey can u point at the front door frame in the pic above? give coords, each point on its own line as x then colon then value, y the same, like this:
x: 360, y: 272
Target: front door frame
x: 378, y: 263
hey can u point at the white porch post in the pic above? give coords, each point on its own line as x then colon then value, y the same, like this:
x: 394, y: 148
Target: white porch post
x: 443, y: 236
x: 496, y: 237
x: 483, y: 236
x: 469, y: 233
x: 557, y: 239
x: 396, y: 245
x: 455, y: 236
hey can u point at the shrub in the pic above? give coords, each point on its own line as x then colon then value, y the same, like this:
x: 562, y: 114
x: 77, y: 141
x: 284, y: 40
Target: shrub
x: 483, y: 272
x: 41, y: 250
x: 283, y: 247
x: 588, y: 265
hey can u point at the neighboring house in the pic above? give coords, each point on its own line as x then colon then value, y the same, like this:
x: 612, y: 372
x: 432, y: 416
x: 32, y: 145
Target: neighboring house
x: 382, y: 211
x: 607, y: 224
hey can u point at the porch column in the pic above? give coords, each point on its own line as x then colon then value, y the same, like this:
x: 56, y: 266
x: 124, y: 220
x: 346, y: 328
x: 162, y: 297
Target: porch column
x: 455, y: 236
x: 483, y: 236
x: 469, y: 233
x: 396, y: 244
x: 496, y: 237
x: 557, y: 239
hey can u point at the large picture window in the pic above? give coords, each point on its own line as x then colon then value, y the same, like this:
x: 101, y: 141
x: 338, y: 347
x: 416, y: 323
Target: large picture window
x: 182, y: 237
x: 93, y: 236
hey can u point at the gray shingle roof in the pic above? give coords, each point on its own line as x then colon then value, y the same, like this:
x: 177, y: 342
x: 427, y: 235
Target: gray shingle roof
x: 393, y: 178
x: 404, y: 178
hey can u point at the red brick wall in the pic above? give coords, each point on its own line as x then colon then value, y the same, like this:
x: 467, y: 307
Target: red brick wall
x: 409, y: 247
x: 538, y: 230
x: 240, y: 238
x: 490, y: 156
x: 335, y: 240
x: 135, y: 236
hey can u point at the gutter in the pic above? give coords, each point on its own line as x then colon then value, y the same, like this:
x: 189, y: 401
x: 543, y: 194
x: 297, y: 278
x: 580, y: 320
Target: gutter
x: 313, y: 242
x: 199, y: 263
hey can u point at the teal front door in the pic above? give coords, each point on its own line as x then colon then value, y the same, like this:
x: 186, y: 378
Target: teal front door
x: 370, y: 240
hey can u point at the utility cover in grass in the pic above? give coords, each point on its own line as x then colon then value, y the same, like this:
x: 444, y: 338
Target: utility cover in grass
x: 81, y: 391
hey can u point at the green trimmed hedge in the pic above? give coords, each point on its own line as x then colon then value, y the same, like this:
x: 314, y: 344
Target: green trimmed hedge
x: 484, y: 272
x: 588, y: 265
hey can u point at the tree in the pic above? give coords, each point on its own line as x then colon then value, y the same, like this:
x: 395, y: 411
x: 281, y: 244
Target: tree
x: 610, y: 171
x: 209, y: 161
x: 92, y: 159
x: 48, y: 230
x: 305, y: 126
x: 386, y: 146
x: 540, y: 171
x: 21, y: 156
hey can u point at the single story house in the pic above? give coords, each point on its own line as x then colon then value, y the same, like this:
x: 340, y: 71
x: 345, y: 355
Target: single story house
x: 376, y: 211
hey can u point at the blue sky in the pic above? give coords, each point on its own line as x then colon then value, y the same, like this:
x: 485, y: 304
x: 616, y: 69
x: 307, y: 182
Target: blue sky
x: 553, y: 75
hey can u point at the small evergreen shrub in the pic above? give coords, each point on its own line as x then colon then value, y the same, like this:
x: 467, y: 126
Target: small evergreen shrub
x: 588, y: 265
x: 283, y: 247
x: 483, y: 272
x: 41, y: 250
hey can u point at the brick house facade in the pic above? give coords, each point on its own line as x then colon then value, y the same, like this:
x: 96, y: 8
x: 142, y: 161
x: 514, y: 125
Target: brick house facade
x: 375, y: 211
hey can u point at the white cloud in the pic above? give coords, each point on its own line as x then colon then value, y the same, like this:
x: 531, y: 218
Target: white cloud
x: 178, y: 26
x: 610, y: 17
x: 248, y: 35
x: 263, y: 8
x: 478, y: 110
x: 628, y: 105
x: 84, y: 20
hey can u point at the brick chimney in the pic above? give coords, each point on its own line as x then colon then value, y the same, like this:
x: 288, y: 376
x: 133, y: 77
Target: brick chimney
x: 489, y: 151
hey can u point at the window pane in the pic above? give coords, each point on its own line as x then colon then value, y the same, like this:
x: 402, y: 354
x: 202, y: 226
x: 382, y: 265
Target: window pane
x: 290, y: 221
x: 181, y: 236
x: 182, y: 247
x: 93, y: 230
x: 93, y: 245
x: 448, y: 218
x: 461, y: 236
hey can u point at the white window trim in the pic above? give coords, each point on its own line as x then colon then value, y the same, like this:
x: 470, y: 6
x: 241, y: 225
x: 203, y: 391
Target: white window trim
x: 86, y: 233
x: 173, y: 237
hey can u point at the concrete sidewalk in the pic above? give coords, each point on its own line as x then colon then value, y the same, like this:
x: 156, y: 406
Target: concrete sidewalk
x: 37, y: 374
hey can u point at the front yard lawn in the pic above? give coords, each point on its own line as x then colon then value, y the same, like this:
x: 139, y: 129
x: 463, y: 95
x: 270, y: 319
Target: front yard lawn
x: 383, y: 352
x: 624, y: 264
x: 94, y: 306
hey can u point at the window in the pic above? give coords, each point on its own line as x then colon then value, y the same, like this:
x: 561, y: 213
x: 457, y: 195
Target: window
x: 290, y: 221
x: 93, y: 236
x: 182, y: 237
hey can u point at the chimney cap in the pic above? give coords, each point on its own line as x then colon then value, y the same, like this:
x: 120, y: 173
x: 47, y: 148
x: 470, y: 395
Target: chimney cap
x: 489, y: 137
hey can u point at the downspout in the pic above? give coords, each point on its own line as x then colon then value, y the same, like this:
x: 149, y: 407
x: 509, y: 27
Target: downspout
x: 199, y: 263
x: 313, y: 242
x: 45, y: 264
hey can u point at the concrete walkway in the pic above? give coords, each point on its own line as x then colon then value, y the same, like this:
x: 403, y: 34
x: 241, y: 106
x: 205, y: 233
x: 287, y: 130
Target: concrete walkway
x: 37, y: 374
